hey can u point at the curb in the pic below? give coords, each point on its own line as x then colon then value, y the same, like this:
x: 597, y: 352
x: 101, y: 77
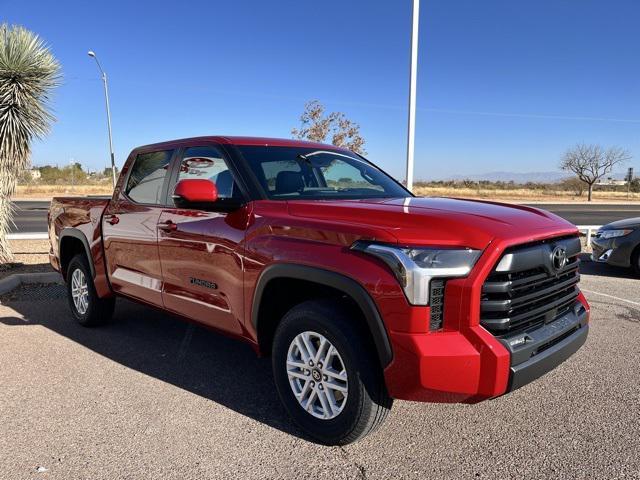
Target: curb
x: 13, y: 281
x: 28, y: 236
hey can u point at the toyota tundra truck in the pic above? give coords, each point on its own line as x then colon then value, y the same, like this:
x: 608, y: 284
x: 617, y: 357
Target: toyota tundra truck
x: 359, y: 291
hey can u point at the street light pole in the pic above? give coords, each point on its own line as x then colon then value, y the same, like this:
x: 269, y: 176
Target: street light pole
x: 411, y: 130
x: 106, y: 98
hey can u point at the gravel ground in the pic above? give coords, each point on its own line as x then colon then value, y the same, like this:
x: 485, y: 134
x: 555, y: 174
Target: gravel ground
x: 149, y: 397
x: 29, y: 256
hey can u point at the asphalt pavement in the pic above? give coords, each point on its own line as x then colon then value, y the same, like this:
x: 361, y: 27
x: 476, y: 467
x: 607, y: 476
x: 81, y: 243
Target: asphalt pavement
x: 593, y: 214
x: 31, y: 216
x: 148, y: 396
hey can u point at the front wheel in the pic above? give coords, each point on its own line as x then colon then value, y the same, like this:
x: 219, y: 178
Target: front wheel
x: 87, y: 308
x: 327, y: 376
x: 635, y: 261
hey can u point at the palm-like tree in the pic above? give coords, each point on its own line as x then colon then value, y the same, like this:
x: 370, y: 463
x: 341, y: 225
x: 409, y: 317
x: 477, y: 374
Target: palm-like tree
x: 28, y: 74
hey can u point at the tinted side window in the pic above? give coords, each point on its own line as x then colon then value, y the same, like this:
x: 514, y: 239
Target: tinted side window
x: 293, y: 172
x: 208, y: 163
x: 147, y: 177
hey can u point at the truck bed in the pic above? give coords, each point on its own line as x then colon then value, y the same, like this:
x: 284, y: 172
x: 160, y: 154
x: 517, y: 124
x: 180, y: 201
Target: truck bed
x: 76, y: 219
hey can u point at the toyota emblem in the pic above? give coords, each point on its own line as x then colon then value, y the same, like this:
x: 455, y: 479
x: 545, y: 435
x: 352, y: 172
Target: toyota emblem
x: 559, y: 258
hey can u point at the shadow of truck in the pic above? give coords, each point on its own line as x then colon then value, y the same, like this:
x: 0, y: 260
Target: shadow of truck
x: 190, y: 357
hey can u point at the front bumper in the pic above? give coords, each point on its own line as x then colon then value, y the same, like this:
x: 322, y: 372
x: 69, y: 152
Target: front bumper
x: 613, y: 251
x: 473, y: 365
x: 539, y: 351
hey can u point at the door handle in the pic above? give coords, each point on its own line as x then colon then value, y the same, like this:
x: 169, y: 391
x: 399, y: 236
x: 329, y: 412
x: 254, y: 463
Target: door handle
x: 112, y: 219
x: 168, y: 226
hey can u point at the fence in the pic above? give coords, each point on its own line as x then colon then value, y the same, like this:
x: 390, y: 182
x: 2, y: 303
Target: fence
x: 589, y: 229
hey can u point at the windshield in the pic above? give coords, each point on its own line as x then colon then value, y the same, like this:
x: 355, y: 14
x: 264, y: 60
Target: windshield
x: 294, y: 172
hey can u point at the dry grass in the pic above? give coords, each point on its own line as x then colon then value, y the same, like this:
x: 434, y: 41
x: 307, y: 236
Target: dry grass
x: 519, y: 195
x: 523, y: 195
x: 47, y: 191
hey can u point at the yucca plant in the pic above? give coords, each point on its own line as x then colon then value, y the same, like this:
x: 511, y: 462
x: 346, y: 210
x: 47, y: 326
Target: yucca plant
x: 28, y: 74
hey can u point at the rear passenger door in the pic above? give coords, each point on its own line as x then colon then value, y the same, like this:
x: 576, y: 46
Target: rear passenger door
x: 130, y: 227
x: 201, y: 252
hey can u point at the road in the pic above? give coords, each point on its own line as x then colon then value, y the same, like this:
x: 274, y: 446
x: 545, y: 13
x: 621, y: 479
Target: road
x: 148, y: 396
x: 31, y: 216
x: 594, y: 214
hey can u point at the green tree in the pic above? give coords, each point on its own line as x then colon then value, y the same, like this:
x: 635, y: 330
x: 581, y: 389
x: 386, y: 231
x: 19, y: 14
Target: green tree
x: 74, y: 174
x: 50, y: 174
x: 28, y: 74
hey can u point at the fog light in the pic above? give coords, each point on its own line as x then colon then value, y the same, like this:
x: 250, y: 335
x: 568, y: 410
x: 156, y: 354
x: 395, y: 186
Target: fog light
x: 516, y: 342
x: 605, y: 256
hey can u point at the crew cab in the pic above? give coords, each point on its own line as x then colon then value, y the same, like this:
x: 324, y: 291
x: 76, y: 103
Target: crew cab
x: 359, y: 291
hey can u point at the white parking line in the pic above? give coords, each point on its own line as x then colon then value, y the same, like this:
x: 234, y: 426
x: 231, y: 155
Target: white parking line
x: 611, y: 296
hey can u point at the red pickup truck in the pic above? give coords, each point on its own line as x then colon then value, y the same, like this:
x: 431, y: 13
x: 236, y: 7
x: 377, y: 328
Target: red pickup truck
x: 359, y: 291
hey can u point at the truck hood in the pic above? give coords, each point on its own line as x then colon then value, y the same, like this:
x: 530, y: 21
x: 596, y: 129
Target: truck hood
x: 435, y: 221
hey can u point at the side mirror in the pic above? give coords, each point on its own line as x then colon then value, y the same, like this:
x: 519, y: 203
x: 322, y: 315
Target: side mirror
x: 201, y: 194
x: 195, y: 191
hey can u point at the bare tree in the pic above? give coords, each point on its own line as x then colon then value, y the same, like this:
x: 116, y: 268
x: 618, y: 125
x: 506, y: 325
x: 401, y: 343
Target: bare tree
x: 592, y: 162
x: 28, y: 73
x: 317, y: 127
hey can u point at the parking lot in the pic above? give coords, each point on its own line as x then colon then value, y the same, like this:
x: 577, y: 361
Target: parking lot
x: 148, y: 396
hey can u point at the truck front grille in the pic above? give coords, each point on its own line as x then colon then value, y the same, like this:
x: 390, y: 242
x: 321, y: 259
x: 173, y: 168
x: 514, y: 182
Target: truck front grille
x: 528, y: 288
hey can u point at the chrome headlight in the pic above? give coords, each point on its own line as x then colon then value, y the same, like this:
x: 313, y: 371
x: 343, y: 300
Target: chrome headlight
x: 415, y: 267
x: 605, y: 234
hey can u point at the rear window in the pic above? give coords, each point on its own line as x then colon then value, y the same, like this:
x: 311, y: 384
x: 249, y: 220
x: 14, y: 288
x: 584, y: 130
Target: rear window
x: 147, y: 177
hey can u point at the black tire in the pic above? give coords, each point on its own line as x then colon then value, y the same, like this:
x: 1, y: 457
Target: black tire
x: 635, y: 260
x: 367, y: 403
x: 99, y: 310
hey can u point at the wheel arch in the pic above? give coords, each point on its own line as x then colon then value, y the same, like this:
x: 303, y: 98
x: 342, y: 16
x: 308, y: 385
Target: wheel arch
x: 326, y: 281
x: 71, y: 242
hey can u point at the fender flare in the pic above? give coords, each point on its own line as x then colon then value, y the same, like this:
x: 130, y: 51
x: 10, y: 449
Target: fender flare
x: 334, y: 280
x: 77, y: 234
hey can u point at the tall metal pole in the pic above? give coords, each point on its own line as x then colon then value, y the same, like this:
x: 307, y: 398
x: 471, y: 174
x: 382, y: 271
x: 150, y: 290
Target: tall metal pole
x: 411, y: 130
x: 106, y: 99
x: 113, y: 159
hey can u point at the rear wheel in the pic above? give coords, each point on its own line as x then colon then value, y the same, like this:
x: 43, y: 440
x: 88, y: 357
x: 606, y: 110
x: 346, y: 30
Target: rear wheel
x: 87, y: 308
x: 327, y: 376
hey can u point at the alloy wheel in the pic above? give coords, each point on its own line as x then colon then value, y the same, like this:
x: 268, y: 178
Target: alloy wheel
x: 80, y: 291
x: 317, y: 375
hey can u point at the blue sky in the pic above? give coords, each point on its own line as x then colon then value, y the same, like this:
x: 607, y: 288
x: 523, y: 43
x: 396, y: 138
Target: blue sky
x: 502, y: 85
